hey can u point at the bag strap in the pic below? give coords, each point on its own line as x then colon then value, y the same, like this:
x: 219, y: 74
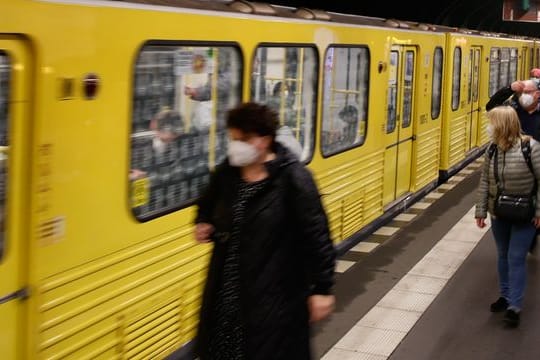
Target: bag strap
x: 495, y: 151
x: 525, y: 150
x: 491, y: 150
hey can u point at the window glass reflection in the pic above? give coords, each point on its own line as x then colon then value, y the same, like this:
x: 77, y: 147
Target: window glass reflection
x: 345, y: 98
x: 285, y: 78
x: 180, y: 98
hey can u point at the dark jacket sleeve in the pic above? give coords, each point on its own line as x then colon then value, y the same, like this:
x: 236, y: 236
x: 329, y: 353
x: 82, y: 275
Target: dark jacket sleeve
x: 499, y: 97
x: 313, y: 230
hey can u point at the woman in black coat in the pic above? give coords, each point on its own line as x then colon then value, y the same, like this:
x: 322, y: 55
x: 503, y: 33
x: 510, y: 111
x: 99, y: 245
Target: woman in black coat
x: 272, y: 266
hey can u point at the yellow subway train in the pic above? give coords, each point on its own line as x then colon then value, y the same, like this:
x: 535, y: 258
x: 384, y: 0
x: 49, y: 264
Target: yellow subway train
x: 112, y: 117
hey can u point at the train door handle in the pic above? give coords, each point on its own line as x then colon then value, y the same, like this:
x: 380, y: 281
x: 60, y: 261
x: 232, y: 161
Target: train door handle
x: 19, y: 294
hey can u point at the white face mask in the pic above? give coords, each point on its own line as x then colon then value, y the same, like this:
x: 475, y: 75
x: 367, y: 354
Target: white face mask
x: 158, y: 145
x: 489, y: 130
x: 526, y: 100
x: 241, y: 153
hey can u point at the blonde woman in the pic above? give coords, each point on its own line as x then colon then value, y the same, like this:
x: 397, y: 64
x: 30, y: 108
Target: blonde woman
x: 514, y: 176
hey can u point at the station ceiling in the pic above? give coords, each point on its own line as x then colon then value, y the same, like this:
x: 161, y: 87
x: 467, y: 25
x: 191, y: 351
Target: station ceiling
x: 484, y: 15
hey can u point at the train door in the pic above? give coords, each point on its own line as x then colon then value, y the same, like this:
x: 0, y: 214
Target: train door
x: 399, y: 125
x: 473, y: 100
x: 13, y: 191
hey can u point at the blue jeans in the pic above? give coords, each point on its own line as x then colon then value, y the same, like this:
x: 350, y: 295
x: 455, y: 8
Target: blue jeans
x: 513, y: 242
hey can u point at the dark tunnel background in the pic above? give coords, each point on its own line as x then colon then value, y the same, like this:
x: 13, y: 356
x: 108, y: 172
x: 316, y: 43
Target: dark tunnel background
x: 483, y: 15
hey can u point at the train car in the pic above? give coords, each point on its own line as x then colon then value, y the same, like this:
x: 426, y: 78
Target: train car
x: 112, y: 117
x: 535, y: 57
x: 478, y: 65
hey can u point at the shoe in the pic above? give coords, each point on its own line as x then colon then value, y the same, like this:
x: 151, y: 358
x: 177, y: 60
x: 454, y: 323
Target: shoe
x: 500, y: 305
x: 511, y: 318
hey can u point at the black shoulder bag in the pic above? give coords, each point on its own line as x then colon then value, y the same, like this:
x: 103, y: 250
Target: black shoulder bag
x: 518, y: 208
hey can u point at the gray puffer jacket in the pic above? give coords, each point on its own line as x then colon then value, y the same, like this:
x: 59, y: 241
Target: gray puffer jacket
x: 514, y: 175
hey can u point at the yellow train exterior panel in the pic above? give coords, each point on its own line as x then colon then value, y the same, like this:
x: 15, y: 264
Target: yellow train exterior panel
x: 81, y: 276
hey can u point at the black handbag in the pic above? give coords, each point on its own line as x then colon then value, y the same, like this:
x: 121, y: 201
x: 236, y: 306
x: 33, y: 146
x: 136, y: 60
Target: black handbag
x: 517, y: 208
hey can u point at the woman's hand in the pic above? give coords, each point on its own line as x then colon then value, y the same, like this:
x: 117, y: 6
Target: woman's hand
x: 203, y: 232
x: 135, y: 174
x: 320, y: 306
x: 536, y: 222
x: 481, y: 222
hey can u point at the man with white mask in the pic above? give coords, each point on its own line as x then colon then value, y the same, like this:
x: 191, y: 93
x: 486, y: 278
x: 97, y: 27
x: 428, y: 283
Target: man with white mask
x: 522, y: 96
x: 535, y: 73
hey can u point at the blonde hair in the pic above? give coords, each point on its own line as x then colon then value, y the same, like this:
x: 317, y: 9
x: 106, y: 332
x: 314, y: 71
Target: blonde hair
x: 506, y: 127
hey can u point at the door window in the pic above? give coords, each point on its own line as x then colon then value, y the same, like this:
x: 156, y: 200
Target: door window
x: 470, y: 76
x: 456, y: 79
x: 476, y: 74
x: 436, y: 86
x: 392, y: 92
x: 408, y: 86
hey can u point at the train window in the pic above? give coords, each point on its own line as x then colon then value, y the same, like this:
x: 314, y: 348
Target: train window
x: 345, y: 98
x: 456, y: 78
x: 512, y: 71
x: 285, y: 78
x: 5, y: 68
x: 494, y: 59
x: 504, y: 67
x: 408, y: 88
x: 180, y: 97
x: 436, y: 86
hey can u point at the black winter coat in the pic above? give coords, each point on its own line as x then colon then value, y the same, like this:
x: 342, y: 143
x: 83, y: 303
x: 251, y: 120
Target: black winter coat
x: 285, y: 255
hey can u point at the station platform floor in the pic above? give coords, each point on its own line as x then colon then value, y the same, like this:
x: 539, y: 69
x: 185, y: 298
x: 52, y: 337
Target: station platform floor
x: 420, y: 287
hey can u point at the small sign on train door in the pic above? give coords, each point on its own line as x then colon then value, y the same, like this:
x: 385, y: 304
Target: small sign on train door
x: 140, y: 192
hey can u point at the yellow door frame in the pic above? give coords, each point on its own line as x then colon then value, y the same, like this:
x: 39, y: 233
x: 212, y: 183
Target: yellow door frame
x: 406, y: 125
x: 399, y: 147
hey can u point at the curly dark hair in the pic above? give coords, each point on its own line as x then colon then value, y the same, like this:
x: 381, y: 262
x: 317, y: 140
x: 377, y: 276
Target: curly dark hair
x: 253, y: 118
